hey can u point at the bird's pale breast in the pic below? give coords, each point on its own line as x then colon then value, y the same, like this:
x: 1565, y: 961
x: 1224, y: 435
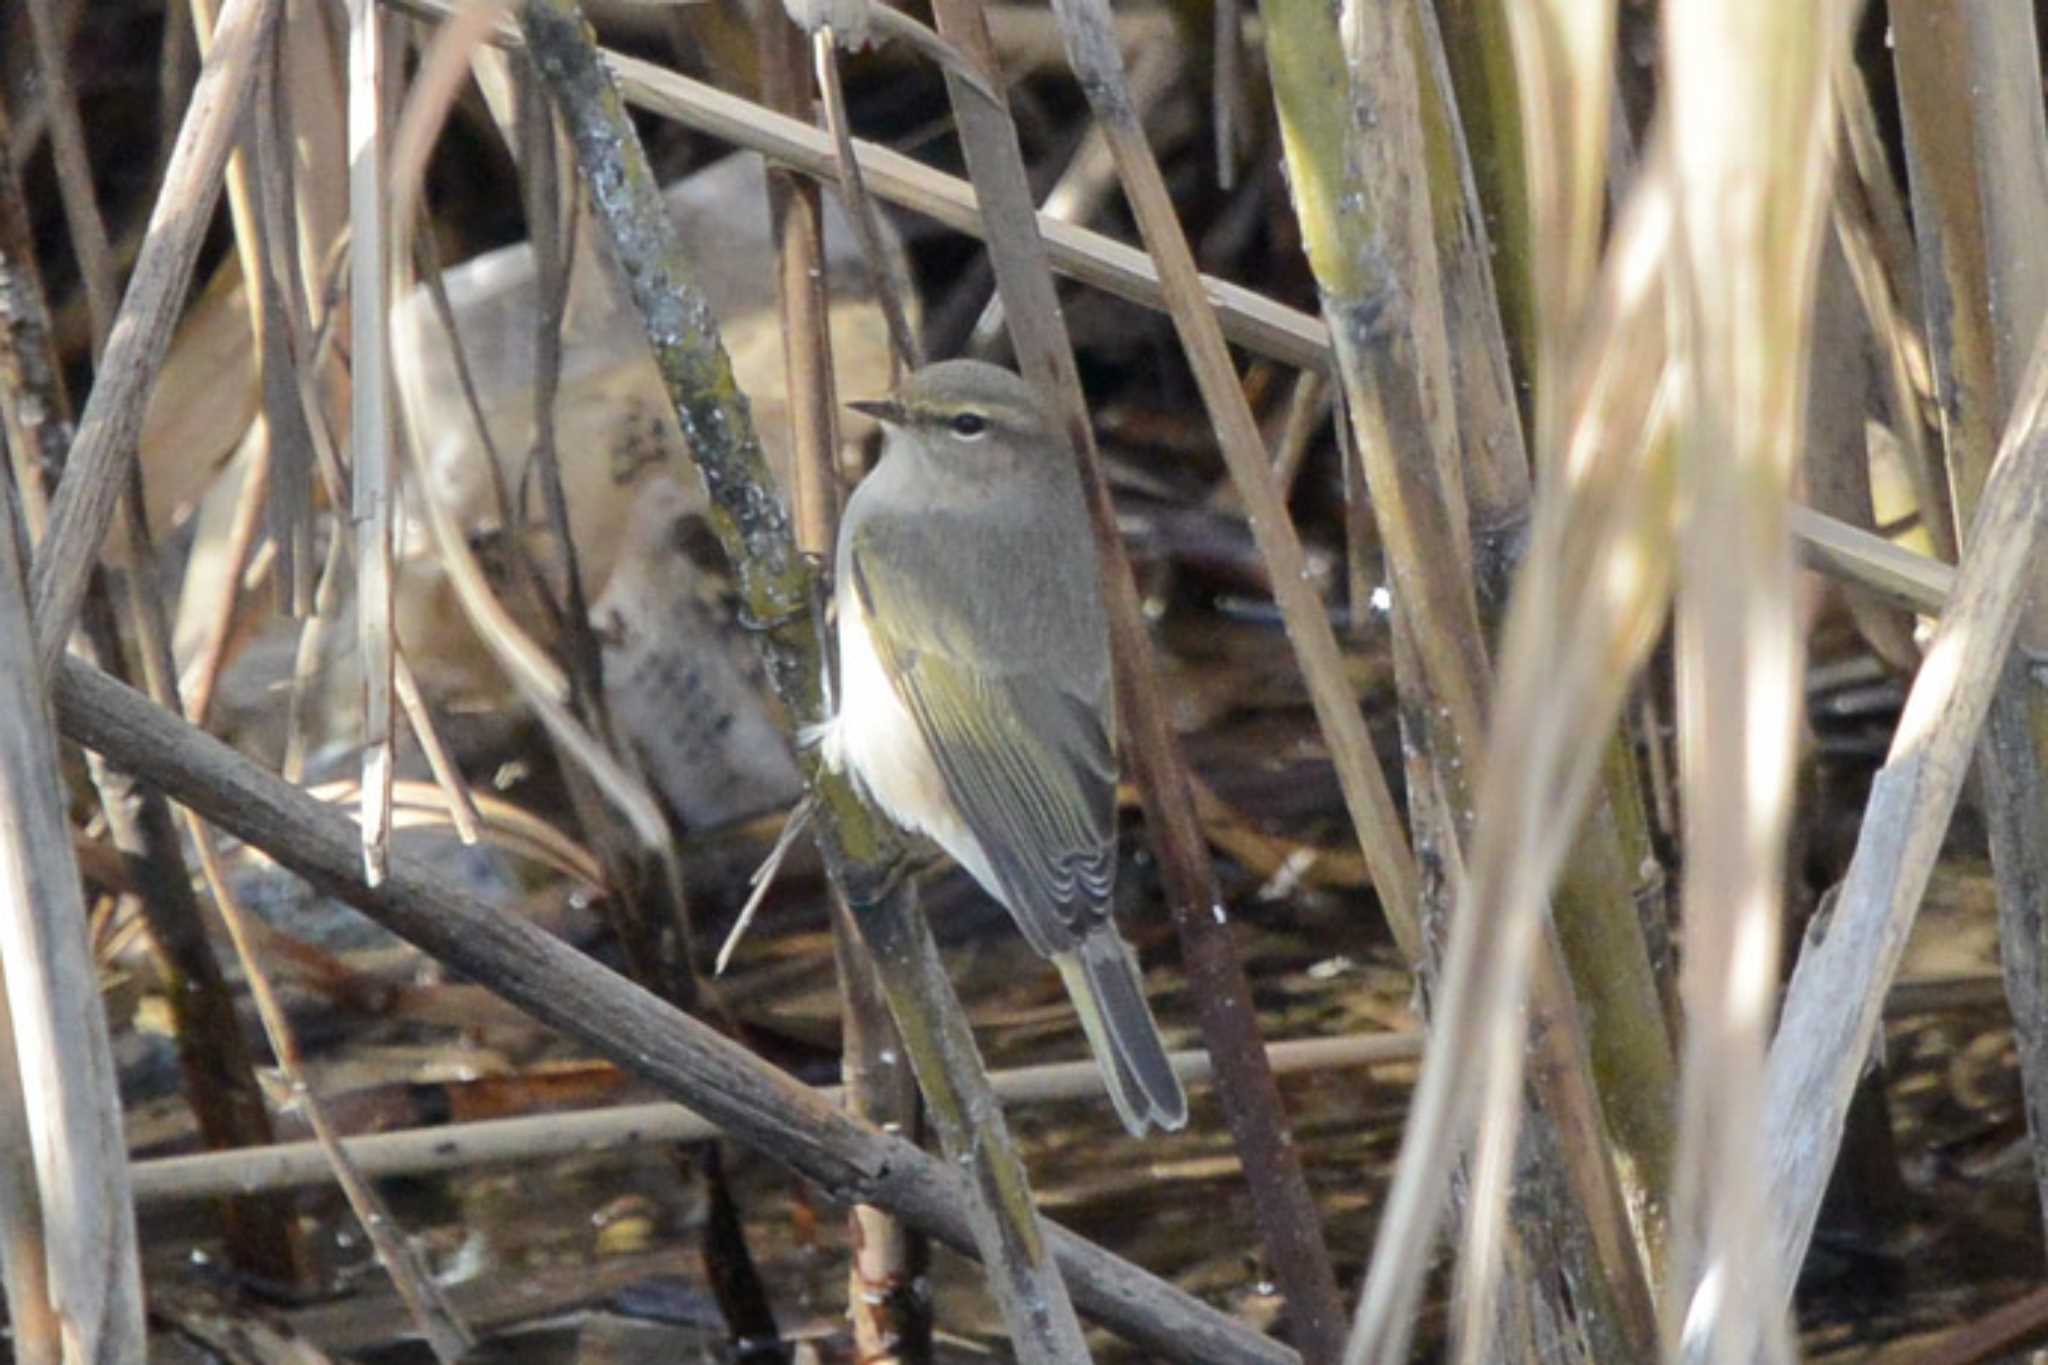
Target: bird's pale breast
x: 874, y: 739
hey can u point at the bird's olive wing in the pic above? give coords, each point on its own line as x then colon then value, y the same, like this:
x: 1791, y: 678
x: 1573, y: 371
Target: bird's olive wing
x: 1028, y: 762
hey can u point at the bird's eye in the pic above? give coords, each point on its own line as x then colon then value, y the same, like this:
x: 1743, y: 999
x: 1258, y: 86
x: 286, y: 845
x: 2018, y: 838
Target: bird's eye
x: 968, y: 425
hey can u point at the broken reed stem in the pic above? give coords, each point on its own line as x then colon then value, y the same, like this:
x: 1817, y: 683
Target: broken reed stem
x: 562, y: 988
x: 776, y: 586
x: 373, y: 494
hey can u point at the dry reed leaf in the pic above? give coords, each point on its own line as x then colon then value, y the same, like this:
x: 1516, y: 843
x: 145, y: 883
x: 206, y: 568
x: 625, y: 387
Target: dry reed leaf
x: 372, y: 90
x: 1751, y: 127
x: 1587, y: 606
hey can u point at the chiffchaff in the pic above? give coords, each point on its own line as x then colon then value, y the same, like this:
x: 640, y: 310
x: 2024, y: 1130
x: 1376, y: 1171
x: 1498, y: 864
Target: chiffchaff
x: 975, y: 704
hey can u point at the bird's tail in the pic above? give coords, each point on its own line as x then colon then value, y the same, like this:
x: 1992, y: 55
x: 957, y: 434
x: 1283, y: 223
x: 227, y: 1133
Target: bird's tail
x: 1102, y: 978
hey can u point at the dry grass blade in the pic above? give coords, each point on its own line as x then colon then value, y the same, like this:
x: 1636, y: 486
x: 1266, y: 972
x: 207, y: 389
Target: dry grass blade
x: 1563, y: 54
x: 244, y: 530
x: 1751, y: 202
x: 461, y: 802
x: 306, y: 660
x: 1832, y: 1007
x: 252, y: 250
x: 1586, y: 609
x: 1870, y: 561
x: 101, y: 455
x: 33, y: 1324
x: 860, y: 207
x: 373, y: 497
x: 285, y: 338
x: 59, y: 1029
x: 1870, y: 220
x: 32, y: 420
x: 1158, y: 66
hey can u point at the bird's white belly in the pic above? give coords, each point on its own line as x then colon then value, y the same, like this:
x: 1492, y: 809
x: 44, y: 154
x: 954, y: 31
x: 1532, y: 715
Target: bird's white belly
x: 875, y: 740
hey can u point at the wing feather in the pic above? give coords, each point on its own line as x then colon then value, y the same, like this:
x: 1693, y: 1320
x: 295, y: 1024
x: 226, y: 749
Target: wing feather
x: 1029, y: 761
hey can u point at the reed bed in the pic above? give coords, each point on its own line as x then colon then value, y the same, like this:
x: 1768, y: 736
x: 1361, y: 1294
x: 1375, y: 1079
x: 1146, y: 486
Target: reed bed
x: 1569, y: 479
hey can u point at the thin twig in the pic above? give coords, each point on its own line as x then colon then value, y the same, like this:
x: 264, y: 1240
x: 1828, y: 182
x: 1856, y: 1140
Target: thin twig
x: 860, y: 208
x: 465, y: 1146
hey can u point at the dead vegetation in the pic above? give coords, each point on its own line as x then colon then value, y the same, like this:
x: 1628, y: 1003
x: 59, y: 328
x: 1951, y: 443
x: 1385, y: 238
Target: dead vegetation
x: 1569, y: 476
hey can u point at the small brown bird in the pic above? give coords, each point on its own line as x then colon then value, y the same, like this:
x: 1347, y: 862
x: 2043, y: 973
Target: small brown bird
x: 975, y: 704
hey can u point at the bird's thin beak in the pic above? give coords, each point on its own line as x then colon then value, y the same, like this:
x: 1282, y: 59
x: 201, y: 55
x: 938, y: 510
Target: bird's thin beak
x: 886, y: 410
